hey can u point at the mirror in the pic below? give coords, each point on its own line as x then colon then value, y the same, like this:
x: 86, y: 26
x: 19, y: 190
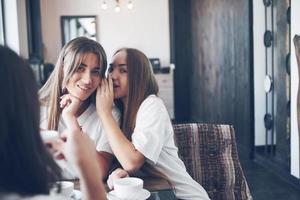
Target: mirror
x: 75, y: 26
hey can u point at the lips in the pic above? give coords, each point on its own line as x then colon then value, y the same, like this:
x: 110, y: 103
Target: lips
x: 83, y: 87
x: 115, y: 86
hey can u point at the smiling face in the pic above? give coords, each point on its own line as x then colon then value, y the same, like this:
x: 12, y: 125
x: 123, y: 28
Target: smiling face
x: 118, y: 72
x: 86, y: 77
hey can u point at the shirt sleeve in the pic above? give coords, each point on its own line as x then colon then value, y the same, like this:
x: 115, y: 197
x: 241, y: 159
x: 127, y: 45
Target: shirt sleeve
x: 103, y: 143
x: 43, y: 117
x: 151, y: 127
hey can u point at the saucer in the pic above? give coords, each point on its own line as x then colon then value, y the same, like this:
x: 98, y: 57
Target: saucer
x: 76, y: 195
x: 140, y: 195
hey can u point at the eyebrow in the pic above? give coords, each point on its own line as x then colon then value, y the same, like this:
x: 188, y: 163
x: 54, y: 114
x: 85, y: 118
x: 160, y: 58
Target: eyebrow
x: 119, y: 65
x: 85, y: 65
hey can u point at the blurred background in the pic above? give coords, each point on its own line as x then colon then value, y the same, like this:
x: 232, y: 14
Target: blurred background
x: 221, y: 61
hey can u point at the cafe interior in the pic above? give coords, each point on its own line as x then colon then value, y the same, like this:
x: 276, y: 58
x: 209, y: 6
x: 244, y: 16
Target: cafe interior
x: 227, y: 72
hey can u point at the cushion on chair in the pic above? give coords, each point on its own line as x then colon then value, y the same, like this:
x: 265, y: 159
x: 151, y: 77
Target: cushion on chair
x: 210, y: 155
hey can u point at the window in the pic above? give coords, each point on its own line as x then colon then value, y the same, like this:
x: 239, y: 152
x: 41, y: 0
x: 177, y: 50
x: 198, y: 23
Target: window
x: 2, y: 35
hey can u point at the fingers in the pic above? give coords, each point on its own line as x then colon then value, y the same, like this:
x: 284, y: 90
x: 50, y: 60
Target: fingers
x: 55, y: 147
x: 64, y: 101
x: 110, y: 84
x: 117, y: 174
x: 104, y: 85
x: 102, y: 89
x: 109, y: 183
x: 67, y: 99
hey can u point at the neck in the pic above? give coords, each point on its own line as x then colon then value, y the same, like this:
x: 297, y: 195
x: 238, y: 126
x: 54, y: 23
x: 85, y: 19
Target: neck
x: 85, y: 104
x: 124, y: 101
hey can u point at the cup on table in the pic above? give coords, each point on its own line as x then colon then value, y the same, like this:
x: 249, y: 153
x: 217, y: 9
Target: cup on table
x: 67, y: 188
x: 128, y: 186
x: 49, y: 136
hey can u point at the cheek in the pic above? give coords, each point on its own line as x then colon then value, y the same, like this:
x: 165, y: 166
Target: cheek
x: 96, y: 81
x: 125, y: 86
x: 72, y: 81
x: 125, y: 81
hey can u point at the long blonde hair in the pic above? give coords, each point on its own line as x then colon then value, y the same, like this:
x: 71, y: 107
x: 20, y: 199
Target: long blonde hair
x: 68, y: 61
x: 141, y: 84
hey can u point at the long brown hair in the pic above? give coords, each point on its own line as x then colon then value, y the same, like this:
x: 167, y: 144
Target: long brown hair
x: 68, y: 61
x: 141, y: 84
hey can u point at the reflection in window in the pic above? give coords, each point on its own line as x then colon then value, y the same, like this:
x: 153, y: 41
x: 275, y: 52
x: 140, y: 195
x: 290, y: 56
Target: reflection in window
x: 75, y: 26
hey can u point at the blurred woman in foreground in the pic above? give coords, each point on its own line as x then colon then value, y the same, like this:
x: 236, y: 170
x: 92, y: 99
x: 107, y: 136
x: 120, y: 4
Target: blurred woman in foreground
x: 27, y: 170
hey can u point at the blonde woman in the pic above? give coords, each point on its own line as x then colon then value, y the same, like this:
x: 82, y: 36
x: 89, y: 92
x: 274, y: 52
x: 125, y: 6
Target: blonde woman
x: 145, y: 140
x: 68, y: 97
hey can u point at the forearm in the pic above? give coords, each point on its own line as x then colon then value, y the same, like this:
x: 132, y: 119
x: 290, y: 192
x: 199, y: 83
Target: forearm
x: 71, y: 122
x: 130, y: 159
x: 91, y: 181
x: 104, y: 160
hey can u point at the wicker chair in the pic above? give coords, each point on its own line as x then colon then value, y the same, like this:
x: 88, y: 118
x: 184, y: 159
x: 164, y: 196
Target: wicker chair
x: 210, y: 155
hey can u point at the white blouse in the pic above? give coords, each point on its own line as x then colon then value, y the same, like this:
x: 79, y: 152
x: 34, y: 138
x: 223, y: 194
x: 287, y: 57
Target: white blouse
x: 153, y: 137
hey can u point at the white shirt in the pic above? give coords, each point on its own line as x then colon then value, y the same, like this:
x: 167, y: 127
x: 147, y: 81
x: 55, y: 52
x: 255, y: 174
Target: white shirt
x: 35, y: 197
x: 153, y: 137
x: 91, y: 124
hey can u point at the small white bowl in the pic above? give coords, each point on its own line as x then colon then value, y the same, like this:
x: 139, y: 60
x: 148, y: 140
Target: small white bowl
x: 49, y: 135
x: 67, y: 188
x: 127, y: 186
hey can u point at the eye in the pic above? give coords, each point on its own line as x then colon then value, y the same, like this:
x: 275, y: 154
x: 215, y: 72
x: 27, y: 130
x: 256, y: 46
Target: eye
x: 110, y: 70
x: 80, y: 68
x: 122, y: 70
x: 96, y: 72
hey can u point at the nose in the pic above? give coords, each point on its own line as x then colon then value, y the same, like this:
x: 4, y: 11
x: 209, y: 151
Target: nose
x: 114, y: 74
x: 87, y: 78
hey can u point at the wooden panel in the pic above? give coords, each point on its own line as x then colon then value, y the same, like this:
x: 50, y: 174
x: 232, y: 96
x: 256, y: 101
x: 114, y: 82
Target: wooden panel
x: 220, y: 76
x: 281, y: 79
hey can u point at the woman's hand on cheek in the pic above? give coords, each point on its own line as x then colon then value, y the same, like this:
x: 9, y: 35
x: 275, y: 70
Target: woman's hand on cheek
x: 105, y: 97
x: 69, y: 104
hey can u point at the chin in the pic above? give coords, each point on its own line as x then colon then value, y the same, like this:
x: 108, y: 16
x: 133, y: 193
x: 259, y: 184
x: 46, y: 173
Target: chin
x: 116, y: 96
x: 81, y: 97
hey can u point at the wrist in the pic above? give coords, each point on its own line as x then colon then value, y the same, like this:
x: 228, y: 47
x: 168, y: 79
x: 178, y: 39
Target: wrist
x: 104, y: 113
x: 71, y: 122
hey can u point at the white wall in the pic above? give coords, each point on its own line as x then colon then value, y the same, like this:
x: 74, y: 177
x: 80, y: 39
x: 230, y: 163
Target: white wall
x: 11, y: 25
x: 16, y: 26
x: 259, y: 71
x: 22, y: 24
x: 146, y: 27
x: 295, y: 29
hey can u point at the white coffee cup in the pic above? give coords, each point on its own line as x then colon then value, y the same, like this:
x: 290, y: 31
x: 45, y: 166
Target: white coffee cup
x: 128, y: 186
x: 49, y: 135
x: 67, y: 188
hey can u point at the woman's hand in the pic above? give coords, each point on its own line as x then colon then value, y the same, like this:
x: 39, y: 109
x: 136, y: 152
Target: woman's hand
x: 79, y: 150
x: 116, y: 174
x: 105, y: 97
x: 70, y: 105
